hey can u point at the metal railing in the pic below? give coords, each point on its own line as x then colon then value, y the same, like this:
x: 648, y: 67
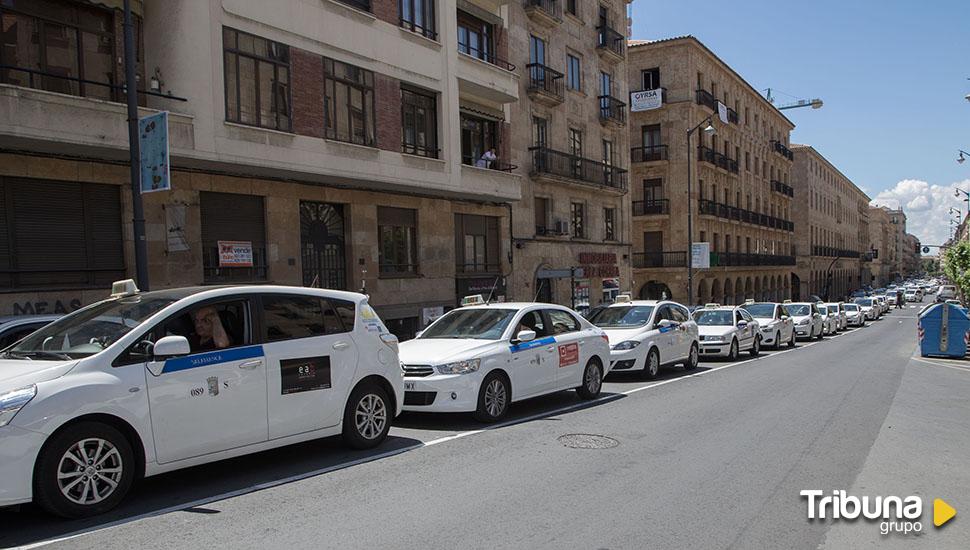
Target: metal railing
x: 545, y: 80
x: 492, y: 268
x: 118, y: 91
x: 398, y: 269
x: 427, y: 32
x: 609, y: 39
x: 469, y: 160
x: 706, y: 98
x: 732, y: 116
x: 419, y: 150
x: 780, y: 148
x: 486, y: 56
x: 660, y: 259
x: 712, y: 208
x: 746, y: 259
x: 612, y: 109
x: 651, y: 207
x: 706, y: 154
x: 834, y: 252
x: 552, y: 8
x: 782, y: 188
x: 557, y: 163
x: 648, y: 153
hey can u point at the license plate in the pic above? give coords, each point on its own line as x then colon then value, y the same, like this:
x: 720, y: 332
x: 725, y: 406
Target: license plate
x: 408, y: 386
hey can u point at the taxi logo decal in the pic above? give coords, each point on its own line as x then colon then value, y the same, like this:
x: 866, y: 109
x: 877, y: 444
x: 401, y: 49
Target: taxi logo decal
x: 524, y: 346
x: 568, y: 355
x: 211, y: 358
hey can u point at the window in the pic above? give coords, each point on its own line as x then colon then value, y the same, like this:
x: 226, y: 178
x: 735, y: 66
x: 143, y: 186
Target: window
x: 475, y: 37
x: 652, y: 190
x: 651, y: 136
x: 398, y: 242
x: 257, y: 76
x: 539, y: 131
x: 419, y: 111
x: 478, y: 135
x: 476, y: 243
x: 82, y: 221
x: 562, y: 322
x: 578, y: 211
x: 230, y: 219
x: 64, y: 42
x: 573, y: 73
x: 608, y: 224
x: 207, y: 327
x: 542, y: 215
x: 533, y: 321
x: 608, y: 157
x: 418, y: 16
x: 363, y: 5
x: 348, y: 103
x: 571, y: 7
x: 537, y: 50
x: 291, y: 317
x: 576, y: 142
x: 650, y: 78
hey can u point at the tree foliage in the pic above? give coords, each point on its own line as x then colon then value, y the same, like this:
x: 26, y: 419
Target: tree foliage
x: 956, y: 267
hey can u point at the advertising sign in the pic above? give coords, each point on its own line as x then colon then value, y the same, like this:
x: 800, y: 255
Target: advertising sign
x: 645, y: 100
x: 304, y: 374
x: 235, y: 254
x: 700, y: 256
x: 153, y: 149
x: 568, y: 355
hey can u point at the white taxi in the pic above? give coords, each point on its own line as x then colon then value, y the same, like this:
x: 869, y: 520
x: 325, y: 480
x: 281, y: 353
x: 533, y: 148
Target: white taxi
x: 648, y: 334
x: 481, y: 358
x: 808, y: 321
x: 725, y: 331
x: 148, y: 382
x: 776, y: 325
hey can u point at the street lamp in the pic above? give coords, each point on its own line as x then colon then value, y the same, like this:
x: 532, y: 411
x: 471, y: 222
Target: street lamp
x: 709, y: 130
x: 960, y: 158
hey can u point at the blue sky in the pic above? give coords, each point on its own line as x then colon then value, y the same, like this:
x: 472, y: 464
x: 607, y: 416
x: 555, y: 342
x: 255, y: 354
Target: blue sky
x: 893, y: 76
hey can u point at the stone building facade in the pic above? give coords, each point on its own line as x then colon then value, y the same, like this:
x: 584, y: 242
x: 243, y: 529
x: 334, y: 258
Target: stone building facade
x: 884, y: 237
x: 338, y: 141
x: 911, y: 255
x: 739, y: 192
x: 833, y: 238
x: 569, y: 144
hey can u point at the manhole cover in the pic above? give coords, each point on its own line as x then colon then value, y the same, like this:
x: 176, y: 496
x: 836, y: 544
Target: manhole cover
x: 587, y: 441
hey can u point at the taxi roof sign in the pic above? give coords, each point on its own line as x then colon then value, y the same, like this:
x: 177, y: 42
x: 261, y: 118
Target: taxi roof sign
x: 123, y: 288
x: 710, y: 305
x: 473, y: 300
x: 623, y: 298
x: 748, y: 302
x: 786, y: 301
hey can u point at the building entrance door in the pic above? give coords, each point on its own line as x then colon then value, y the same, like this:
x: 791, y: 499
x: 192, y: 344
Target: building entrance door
x: 323, y: 245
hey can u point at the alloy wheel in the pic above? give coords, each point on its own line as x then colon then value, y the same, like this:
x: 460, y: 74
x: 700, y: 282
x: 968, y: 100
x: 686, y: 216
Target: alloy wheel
x: 370, y: 416
x: 495, y: 398
x: 89, y: 471
x: 593, y: 379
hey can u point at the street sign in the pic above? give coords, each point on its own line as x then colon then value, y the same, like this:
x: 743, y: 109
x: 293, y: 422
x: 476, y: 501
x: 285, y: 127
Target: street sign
x: 700, y: 256
x: 153, y: 148
x: 926, y: 250
x: 645, y: 100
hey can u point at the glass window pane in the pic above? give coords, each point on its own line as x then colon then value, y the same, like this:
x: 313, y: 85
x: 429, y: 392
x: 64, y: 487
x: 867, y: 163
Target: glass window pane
x: 232, y: 98
x: 98, y: 64
x: 247, y: 91
x: 267, y: 115
x: 247, y: 43
x: 282, y: 100
x: 20, y: 43
x: 60, y: 44
x: 289, y: 317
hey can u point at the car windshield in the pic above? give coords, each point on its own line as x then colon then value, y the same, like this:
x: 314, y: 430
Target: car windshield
x: 864, y: 301
x: 851, y: 307
x: 823, y: 310
x: 761, y: 311
x: 798, y: 310
x: 622, y: 316
x: 477, y: 324
x: 87, y: 331
x: 713, y: 317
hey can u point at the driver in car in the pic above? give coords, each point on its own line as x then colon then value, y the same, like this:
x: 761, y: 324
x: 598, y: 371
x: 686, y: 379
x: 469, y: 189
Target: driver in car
x: 209, y: 333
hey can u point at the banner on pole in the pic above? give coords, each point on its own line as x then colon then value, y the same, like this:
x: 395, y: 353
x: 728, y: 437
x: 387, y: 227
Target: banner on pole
x: 722, y: 112
x: 153, y: 148
x: 700, y: 256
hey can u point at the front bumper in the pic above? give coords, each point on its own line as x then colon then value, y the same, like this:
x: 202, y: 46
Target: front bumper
x: 628, y: 360
x: 803, y: 331
x: 715, y: 349
x: 18, y: 452
x: 443, y: 392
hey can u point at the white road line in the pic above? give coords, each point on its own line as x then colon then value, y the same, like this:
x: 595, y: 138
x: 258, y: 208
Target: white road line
x: 387, y: 454
x: 935, y: 364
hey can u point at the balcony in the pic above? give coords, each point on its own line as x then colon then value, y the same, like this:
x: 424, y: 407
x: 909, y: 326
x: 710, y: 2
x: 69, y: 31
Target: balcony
x: 722, y: 161
x: 482, y: 75
x: 780, y: 148
x: 732, y: 116
x: 545, y: 85
x: 547, y: 13
x: 557, y: 166
x: 610, y: 44
x: 650, y: 153
x: 782, y: 188
x: 731, y: 259
x: 612, y: 110
x: 645, y: 260
x: 724, y: 211
x: 705, y: 98
x: 833, y: 252
x: 654, y: 207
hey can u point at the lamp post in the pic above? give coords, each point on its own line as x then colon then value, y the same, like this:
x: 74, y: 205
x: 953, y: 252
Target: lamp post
x: 709, y: 130
x: 966, y: 199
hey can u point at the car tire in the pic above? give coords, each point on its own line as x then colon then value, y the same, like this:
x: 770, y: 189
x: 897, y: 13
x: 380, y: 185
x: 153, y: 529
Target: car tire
x: 494, y: 398
x: 652, y: 367
x: 821, y: 334
x: 733, y: 353
x: 592, y: 381
x: 778, y: 340
x: 692, y: 358
x: 756, y: 347
x: 65, y: 487
x: 791, y: 342
x: 367, y: 417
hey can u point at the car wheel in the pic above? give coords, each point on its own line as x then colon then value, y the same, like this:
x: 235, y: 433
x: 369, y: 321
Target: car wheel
x: 652, y: 368
x: 367, y: 417
x: 692, y: 358
x: 733, y: 354
x: 778, y: 340
x: 791, y: 341
x: 592, y: 380
x: 756, y: 347
x: 821, y: 333
x: 494, y: 398
x: 84, y: 470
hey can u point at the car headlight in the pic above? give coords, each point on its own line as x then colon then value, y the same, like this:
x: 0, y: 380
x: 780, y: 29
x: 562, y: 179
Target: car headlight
x: 12, y: 401
x: 627, y: 345
x: 714, y: 339
x: 803, y: 322
x: 460, y: 367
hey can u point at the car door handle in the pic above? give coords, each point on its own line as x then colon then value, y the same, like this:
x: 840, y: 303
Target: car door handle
x: 341, y: 345
x: 581, y: 342
x: 250, y: 365
x: 551, y: 350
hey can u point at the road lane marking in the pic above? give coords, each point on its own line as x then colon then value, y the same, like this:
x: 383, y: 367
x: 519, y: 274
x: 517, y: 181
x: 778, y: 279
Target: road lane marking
x: 935, y: 364
x: 387, y: 454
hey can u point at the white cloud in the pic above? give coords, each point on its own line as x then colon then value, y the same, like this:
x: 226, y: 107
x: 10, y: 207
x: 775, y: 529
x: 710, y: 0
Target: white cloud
x: 927, y: 207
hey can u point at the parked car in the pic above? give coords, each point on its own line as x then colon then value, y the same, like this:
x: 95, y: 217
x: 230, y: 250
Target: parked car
x: 869, y: 310
x: 807, y: 319
x: 15, y: 327
x: 839, y: 308
x: 646, y: 335
x: 910, y: 295
x: 883, y: 303
x: 481, y: 358
x: 725, y: 331
x: 854, y: 315
x: 947, y: 292
x: 776, y: 325
x: 830, y: 319
x: 148, y: 382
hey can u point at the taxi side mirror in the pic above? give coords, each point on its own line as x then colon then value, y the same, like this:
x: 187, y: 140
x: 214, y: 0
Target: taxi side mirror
x: 171, y: 346
x: 525, y: 336
x: 664, y: 323
x: 785, y: 317
x: 742, y: 323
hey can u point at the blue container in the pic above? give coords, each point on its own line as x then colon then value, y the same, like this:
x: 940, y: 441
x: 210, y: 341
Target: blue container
x: 943, y: 331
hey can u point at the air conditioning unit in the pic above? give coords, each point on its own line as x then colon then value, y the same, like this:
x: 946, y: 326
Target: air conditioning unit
x: 562, y: 227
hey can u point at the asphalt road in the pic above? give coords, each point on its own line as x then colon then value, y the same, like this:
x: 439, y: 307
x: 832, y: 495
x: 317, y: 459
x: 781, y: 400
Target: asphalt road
x: 713, y: 459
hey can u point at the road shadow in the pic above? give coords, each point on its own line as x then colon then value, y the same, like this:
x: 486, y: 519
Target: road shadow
x: 28, y: 524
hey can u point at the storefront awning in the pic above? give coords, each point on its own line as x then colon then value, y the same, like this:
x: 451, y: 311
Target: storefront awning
x: 482, y: 111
